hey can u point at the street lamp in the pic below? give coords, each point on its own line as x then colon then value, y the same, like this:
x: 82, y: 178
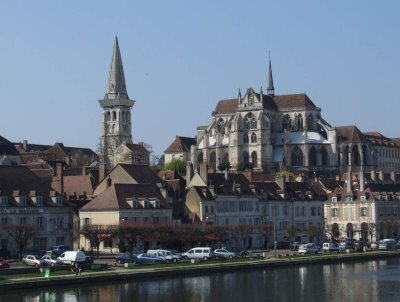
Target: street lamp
x: 275, y: 230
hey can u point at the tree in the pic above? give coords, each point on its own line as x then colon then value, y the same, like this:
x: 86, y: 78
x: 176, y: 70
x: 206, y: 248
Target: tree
x: 266, y: 230
x: 291, y: 232
x: 98, y: 233
x: 219, y: 231
x: 225, y: 165
x: 177, y: 165
x: 371, y: 230
x: 21, y: 233
x: 314, y: 231
x: 243, y: 231
x: 128, y: 232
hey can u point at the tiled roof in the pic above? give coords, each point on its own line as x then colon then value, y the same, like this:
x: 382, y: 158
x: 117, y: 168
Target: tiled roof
x: 141, y: 173
x: 226, y: 106
x: 114, y: 197
x: 137, y: 148
x: 293, y: 100
x: 78, y: 185
x: 203, y: 192
x: 181, y: 144
x: 374, y: 187
x: 331, y: 184
x: 380, y: 140
x: 350, y: 134
x: 7, y: 148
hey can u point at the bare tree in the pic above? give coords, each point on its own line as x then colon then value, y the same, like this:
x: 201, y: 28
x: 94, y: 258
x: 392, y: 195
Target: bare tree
x: 291, y: 232
x: 314, y: 231
x: 266, y: 230
x: 243, y: 231
x: 371, y: 230
x: 21, y: 233
x: 98, y: 233
x: 219, y: 231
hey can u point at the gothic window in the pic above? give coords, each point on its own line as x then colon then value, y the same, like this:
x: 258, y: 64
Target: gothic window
x: 250, y: 122
x: 254, y: 138
x: 286, y: 123
x: 300, y: 126
x: 346, y: 155
x: 310, y: 122
x: 112, y: 128
x: 225, y: 157
x: 245, y: 138
x: 108, y: 116
x: 297, y: 157
x: 213, y: 160
x: 356, y: 156
x: 200, y: 158
x: 324, y: 157
x: 254, y: 158
x: 220, y: 125
x: 267, y: 121
x: 312, y: 161
x: 114, y: 116
x: 245, y: 157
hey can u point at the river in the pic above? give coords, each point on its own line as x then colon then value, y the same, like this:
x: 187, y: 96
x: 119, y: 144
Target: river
x: 370, y: 281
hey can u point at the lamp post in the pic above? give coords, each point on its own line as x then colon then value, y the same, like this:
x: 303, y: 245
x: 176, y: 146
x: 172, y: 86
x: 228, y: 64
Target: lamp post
x: 275, y: 230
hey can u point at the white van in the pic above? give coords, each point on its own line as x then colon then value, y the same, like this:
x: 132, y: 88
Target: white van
x: 198, y: 253
x: 71, y: 257
x: 165, y: 254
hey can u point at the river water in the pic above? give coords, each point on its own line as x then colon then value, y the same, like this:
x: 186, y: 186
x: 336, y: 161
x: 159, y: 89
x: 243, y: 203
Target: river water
x: 362, y: 281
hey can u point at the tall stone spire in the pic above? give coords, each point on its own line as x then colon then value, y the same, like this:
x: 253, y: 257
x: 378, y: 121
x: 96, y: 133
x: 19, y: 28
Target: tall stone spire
x: 270, y: 89
x: 116, y: 120
x: 116, y: 88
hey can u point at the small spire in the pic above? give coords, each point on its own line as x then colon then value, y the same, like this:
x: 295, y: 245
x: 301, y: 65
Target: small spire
x: 116, y: 87
x: 270, y: 89
x: 239, y: 96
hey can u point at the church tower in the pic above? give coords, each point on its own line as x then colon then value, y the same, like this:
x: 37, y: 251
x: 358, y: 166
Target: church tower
x: 116, y: 120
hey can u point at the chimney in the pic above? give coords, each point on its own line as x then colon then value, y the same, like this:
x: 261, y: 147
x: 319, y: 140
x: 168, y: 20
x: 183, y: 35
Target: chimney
x: 189, y: 171
x: 59, y: 178
x: 204, y: 172
x: 109, y: 181
x: 25, y: 144
x: 102, y: 171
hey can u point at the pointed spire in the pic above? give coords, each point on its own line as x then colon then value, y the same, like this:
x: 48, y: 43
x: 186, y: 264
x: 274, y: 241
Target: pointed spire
x: 116, y: 88
x: 239, y: 96
x: 270, y: 89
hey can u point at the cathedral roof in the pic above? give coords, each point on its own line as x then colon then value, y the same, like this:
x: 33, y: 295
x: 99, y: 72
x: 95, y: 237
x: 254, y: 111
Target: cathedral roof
x: 226, y: 107
x: 181, y: 144
x: 293, y: 100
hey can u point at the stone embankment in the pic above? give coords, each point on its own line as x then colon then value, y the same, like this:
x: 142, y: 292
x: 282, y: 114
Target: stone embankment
x: 153, y: 271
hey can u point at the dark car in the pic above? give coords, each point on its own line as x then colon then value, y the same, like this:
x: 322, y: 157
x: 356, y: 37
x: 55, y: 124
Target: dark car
x: 57, y: 250
x: 148, y: 258
x: 3, y: 263
x: 125, y: 258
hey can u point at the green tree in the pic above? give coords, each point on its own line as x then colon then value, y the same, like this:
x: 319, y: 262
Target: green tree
x: 177, y: 165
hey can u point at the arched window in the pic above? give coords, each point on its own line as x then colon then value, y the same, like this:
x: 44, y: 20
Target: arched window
x: 300, y: 126
x: 245, y: 138
x: 200, y: 158
x: 213, y: 160
x: 112, y: 128
x: 365, y: 154
x: 297, y: 157
x: 254, y: 158
x: 225, y: 157
x: 324, y: 157
x: 250, y: 121
x: 114, y: 115
x: 310, y: 122
x: 220, y: 125
x: 356, y: 156
x: 246, y: 157
x: 267, y: 121
x: 312, y: 157
x: 286, y: 123
x: 253, y: 138
x: 108, y: 116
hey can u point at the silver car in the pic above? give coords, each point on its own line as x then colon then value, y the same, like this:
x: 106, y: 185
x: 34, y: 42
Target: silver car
x: 33, y: 260
x: 223, y: 253
x: 51, y: 260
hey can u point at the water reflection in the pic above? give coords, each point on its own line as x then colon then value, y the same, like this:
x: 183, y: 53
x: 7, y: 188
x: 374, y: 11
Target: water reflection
x: 363, y: 281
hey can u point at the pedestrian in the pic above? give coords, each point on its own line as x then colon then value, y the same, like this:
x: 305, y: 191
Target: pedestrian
x: 78, y: 269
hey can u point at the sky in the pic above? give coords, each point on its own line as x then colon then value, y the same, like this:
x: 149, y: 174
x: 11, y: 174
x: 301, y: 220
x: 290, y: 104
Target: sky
x: 181, y: 57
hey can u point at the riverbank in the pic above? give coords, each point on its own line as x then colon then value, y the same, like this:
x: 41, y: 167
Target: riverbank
x: 112, y: 274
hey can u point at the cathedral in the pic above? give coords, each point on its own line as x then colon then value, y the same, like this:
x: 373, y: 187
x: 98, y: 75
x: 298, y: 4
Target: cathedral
x: 272, y: 133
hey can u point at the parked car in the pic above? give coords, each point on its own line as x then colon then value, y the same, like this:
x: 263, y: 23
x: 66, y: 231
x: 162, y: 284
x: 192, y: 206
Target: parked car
x: 244, y: 253
x: 347, y: 245
x: 283, y: 245
x: 71, y: 257
x: 33, y: 260
x: 308, y: 248
x: 168, y: 256
x: 148, y: 258
x: 360, y: 246
x: 3, y: 263
x: 125, y: 258
x: 294, y: 245
x: 387, y: 244
x: 223, y: 253
x: 51, y: 260
x: 198, y: 253
x: 57, y: 250
x: 330, y: 247
x: 374, y: 245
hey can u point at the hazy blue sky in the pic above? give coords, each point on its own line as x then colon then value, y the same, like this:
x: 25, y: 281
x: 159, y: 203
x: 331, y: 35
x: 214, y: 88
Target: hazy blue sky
x: 181, y: 57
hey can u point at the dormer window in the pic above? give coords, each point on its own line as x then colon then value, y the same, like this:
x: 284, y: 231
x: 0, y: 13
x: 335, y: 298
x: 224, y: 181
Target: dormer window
x: 349, y: 198
x: 38, y: 200
x: 59, y: 200
x: 362, y: 198
x: 22, y: 200
x: 334, y: 199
